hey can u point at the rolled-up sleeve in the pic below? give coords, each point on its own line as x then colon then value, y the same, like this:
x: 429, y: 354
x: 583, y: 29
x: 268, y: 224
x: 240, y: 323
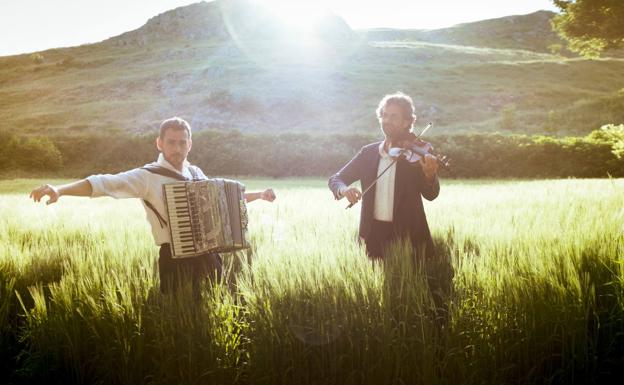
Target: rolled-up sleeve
x: 128, y: 184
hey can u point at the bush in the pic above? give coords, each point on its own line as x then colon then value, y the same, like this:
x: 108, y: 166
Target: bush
x: 612, y: 135
x: 29, y: 154
x: 36, y: 58
x: 39, y: 154
x: 219, y: 153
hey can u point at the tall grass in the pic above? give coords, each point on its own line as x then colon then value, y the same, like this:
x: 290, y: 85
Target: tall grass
x: 538, y: 293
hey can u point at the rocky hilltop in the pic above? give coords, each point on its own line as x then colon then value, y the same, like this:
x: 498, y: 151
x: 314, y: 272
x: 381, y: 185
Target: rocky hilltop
x: 223, y: 20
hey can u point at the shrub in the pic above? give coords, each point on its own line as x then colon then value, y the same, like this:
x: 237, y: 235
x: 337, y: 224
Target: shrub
x: 612, y: 135
x: 36, y: 58
x: 29, y: 154
x: 292, y: 155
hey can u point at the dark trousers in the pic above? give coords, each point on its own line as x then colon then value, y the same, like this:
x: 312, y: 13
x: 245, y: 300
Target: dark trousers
x: 381, y: 235
x: 437, y: 267
x: 175, y: 272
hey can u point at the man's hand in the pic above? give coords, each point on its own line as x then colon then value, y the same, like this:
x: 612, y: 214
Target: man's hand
x: 268, y: 195
x: 430, y: 166
x: 44, y: 190
x: 351, y: 193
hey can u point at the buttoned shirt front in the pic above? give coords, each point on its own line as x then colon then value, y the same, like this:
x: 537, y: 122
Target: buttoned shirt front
x: 145, y: 185
x: 384, y: 188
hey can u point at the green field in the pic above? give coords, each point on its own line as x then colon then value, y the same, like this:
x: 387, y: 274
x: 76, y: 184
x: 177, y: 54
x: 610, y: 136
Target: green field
x: 538, y: 293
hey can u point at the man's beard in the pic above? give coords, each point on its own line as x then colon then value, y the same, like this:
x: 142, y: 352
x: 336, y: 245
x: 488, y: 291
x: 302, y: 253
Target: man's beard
x: 175, y: 159
x: 394, y: 134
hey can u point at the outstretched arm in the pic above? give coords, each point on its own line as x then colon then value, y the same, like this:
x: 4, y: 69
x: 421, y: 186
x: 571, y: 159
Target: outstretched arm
x: 81, y: 188
x: 267, y: 195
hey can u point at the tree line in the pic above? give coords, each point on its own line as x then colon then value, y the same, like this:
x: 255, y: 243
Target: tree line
x: 218, y: 153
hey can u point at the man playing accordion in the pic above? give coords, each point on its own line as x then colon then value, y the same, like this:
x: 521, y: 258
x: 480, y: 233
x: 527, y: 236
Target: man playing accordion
x: 146, y: 183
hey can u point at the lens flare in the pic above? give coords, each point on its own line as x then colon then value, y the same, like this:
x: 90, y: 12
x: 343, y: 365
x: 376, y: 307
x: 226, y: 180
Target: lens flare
x: 300, y: 16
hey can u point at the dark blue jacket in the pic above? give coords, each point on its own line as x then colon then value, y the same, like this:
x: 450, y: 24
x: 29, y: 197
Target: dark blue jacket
x: 409, y: 186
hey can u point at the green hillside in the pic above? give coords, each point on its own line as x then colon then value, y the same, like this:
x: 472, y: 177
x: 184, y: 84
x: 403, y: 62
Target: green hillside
x: 531, y: 32
x: 276, y: 83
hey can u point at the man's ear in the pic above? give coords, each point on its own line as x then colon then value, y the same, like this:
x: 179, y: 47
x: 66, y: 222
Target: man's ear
x: 190, y: 144
x: 158, y: 144
x: 411, y: 121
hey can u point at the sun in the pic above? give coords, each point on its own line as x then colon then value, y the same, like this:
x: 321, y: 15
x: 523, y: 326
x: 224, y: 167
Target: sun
x: 292, y: 32
x: 300, y: 15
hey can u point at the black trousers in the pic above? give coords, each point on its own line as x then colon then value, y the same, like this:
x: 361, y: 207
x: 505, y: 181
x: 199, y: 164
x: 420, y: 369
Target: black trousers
x: 438, y: 268
x: 176, y: 272
x: 381, y: 235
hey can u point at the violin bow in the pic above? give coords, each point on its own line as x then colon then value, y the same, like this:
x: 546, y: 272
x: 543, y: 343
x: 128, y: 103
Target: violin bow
x: 444, y: 160
x: 386, y: 169
x: 372, y: 184
x: 425, y: 130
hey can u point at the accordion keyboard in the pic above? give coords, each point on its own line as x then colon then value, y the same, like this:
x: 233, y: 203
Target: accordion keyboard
x: 206, y: 216
x: 180, y: 219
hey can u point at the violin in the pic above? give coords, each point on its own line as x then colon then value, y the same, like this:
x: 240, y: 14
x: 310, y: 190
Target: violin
x: 412, y: 148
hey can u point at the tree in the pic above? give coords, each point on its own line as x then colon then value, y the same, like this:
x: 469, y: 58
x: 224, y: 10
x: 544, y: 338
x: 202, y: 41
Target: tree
x: 612, y: 135
x: 590, y: 26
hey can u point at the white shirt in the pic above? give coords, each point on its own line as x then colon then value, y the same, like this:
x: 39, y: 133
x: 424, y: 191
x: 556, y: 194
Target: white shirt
x: 384, y: 189
x: 142, y: 184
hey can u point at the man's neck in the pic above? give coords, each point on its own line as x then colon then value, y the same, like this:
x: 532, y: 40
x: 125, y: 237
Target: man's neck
x: 177, y: 167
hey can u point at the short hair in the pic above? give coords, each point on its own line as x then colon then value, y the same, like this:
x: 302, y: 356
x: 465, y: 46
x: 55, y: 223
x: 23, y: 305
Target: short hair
x: 176, y: 124
x: 400, y: 99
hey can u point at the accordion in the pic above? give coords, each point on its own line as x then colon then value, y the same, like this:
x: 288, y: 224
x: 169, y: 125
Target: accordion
x: 206, y: 216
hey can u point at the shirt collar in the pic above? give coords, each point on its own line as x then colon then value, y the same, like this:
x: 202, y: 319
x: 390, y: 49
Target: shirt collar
x: 382, y: 150
x: 163, y: 162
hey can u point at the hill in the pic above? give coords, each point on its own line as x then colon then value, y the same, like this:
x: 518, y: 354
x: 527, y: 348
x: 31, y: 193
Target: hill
x: 223, y: 65
x: 224, y: 20
x: 531, y: 32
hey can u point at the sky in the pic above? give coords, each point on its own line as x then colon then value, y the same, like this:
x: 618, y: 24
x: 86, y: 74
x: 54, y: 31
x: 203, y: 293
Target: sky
x: 35, y: 25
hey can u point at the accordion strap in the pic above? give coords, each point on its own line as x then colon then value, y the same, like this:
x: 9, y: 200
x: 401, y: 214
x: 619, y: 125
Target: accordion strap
x: 159, y: 170
x: 155, y: 168
x: 160, y: 218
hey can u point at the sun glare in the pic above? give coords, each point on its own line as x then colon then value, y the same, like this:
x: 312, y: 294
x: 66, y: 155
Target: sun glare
x: 304, y: 16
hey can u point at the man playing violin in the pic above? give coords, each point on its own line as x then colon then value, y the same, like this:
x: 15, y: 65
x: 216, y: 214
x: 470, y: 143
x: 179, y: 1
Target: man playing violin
x: 392, y: 208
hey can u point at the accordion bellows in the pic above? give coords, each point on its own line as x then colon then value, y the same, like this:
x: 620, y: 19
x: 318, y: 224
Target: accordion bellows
x: 206, y: 216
